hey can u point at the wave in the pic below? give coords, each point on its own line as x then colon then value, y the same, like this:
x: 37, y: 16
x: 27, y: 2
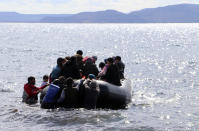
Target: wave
x: 5, y: 90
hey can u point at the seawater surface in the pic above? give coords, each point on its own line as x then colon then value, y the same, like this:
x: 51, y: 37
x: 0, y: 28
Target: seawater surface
x: 161, y: 62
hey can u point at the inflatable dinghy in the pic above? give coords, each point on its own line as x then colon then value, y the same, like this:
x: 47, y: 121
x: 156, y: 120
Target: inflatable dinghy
x: 112, y: 96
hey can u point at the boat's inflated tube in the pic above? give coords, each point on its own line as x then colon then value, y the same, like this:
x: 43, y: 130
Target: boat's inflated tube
x: 112, y: 96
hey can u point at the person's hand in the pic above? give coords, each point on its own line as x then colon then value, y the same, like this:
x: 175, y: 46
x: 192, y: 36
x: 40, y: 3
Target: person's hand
x: 39, y: 90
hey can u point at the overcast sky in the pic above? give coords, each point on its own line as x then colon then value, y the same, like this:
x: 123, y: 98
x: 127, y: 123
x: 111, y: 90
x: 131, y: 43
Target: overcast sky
x: 75, y: 6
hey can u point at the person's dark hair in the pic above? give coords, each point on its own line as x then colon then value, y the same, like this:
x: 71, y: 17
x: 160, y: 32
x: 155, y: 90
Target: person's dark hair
x: 79, y: 52
x: 67, y: 57
x: 62, y: 79
x: 30, y: 79
x: 73, y: 59
x: 69, y: 81
x: 118, y: 58
x: 56, y: 81
x: 101, y: 65
x: 59, y: 61
x: 45, y: 77
x: 105, y: 61
x: 110, y: 60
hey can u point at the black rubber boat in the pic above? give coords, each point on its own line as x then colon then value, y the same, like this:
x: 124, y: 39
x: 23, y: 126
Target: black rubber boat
x: 112, y: 96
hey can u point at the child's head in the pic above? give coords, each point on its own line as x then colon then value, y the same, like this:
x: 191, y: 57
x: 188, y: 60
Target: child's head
x: 101, y: 65
x: 45, y: 78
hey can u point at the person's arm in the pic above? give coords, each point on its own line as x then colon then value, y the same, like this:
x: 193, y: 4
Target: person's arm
x: 42, y: 87
x: 29, y: 90
x: 38, y: 89
x: 103, y: 72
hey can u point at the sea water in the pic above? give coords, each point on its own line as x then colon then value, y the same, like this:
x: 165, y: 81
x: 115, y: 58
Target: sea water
x: 161, y: 61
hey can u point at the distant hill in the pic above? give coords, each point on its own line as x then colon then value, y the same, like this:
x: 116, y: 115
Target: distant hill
x: 16, y: 17
x: 182, y: 13
x: 108, y: 16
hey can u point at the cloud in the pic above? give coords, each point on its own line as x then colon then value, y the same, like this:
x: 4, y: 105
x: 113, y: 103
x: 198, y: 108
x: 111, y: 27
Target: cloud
x: 75, y: 6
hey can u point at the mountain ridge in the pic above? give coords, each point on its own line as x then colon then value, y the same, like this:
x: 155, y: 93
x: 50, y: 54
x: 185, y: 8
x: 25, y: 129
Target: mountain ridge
x: 181, y: 13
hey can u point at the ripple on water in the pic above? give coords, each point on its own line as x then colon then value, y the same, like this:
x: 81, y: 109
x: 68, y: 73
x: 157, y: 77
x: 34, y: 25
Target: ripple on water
x: 7, y: 87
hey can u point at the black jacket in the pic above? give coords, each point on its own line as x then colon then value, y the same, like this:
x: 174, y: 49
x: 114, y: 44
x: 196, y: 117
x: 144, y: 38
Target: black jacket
x: 90, y: 68
x: 121, y: 67
x: 113, y: 75
x: 70, y: 69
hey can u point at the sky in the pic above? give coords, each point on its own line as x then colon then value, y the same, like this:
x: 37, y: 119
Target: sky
x: 75, y: 6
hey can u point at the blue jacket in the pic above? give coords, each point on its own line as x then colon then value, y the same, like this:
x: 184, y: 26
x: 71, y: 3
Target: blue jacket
x: 51, y: 94
x: 55, y: 72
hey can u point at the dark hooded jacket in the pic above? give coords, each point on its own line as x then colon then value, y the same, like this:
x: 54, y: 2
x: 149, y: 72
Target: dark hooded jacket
x: 91, y: 94
x: 113, y: 75
x: 121, y: 67
x: 70, y: 69
x: 90, y: 68
x: 78, y: 61
x: 71, y: 95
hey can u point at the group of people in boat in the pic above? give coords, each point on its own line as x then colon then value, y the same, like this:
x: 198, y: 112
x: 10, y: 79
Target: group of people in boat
x: 60, y: 90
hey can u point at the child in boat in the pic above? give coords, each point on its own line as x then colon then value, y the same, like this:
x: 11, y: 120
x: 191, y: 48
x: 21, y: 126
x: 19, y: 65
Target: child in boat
x: 104, y: 67
x: 30, y: 93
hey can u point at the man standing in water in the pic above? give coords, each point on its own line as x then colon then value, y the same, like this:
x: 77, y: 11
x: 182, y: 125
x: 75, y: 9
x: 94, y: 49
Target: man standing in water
x: 30, y: 94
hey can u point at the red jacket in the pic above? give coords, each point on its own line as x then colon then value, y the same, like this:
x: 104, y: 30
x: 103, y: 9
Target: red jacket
x: 32, y: 90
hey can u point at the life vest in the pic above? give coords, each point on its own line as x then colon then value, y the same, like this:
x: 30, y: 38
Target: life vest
x: 51, y: 94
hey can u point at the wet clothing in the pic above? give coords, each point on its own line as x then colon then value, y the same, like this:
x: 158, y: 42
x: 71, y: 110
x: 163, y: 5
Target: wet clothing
x: 69, y: 97
x: 43, y: 92
x: 56, y: 72
x: 52, y: 95
x: 78, y: 61
x: 113, y: 75
x: 91, y: 95
x: 81, y: 88
x: 30, y: 94
x: 70, y: 69
x: 90, y: 68
x: 121, y: 67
